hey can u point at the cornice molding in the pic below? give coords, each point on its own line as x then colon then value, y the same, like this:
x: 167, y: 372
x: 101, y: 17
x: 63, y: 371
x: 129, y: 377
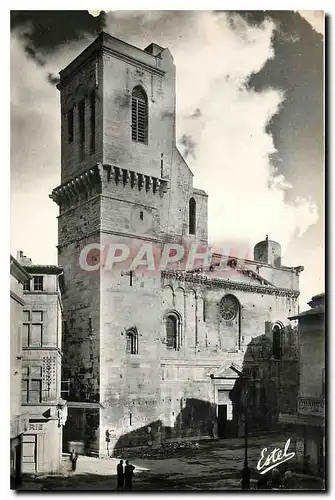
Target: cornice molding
x: 131, y: 60
x: 105, y: 231
x: 17, y: 298
x: 92, y: 181
x: 18, y: 271
x: 228, y: 284
x: 78, y: 188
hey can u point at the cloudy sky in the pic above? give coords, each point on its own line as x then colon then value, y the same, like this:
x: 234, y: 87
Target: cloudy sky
x: 249, y: 121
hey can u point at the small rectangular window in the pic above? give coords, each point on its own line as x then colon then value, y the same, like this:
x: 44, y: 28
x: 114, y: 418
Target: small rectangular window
x: 25, y: 335
x: 24, y: 391
x: 26, y: 286
x: 36, y: 336
x: 92, y: 122
x: 70, y: 126
x: 35, y: 391
x: 32, y: 329
x: 31, y: 384
x: 37, y: 316
x: 65, y: 388
x: 26, y: 315
x: 35, y: 371
x: 38, y: 283
x: 81, y: 119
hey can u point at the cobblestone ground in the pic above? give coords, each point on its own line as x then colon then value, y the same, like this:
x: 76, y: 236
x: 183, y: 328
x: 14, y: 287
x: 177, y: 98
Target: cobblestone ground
x: 213, y: 466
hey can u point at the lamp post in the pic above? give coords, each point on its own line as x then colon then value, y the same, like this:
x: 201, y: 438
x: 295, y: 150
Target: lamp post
x: 245, y: 470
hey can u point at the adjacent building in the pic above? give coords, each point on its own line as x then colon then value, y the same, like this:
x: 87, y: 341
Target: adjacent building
x: 18, y: 419
x: 309, y: 419
x: 41, y: 368
x: 151, y: 356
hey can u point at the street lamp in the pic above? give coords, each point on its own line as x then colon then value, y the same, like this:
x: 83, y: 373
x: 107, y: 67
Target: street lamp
x: 245, y: 470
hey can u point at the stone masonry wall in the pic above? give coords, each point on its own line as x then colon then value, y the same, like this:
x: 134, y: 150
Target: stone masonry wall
x: 120, y: 77
x: 87, y: 79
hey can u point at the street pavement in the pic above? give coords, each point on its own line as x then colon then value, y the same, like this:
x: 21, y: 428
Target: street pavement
x: 214, y: 465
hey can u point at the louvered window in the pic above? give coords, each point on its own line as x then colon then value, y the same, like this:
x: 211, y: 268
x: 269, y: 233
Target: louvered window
x: 139, y: 116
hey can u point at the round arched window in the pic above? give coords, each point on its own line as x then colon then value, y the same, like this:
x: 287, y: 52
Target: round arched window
x: 229, y: 307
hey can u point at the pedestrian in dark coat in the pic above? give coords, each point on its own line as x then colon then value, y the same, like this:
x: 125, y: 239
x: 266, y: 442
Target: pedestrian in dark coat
x: 74, y: 458
x: 275, y: 479
x: 211, y: 429
x: 128, y: 475
x: 120, y: 475
x: 288, y: 480
x: 262, y: 482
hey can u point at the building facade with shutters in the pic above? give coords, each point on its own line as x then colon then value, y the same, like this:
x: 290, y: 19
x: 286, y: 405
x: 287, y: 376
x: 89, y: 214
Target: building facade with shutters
x: 153, y: 353
x: 41, y: 369
x: 308, y: 421
x: 18, y: 418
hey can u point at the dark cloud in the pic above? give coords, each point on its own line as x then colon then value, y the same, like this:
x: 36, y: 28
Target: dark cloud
x: 297, y: 67
x: 196, y: 114
x: 188, y: 146
x: 51, y: 28
x: 31, y: 52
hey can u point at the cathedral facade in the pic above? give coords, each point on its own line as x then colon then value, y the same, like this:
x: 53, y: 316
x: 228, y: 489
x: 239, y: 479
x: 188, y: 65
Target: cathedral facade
x: 156, y: 352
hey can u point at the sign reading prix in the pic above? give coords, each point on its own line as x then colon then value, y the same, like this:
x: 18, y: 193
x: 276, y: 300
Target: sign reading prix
x: 36, y: 427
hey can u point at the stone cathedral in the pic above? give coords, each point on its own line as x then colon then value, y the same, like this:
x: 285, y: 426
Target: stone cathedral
x: 170, y: 354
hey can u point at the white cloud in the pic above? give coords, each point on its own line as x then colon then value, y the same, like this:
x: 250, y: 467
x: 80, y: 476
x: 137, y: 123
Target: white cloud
x: 35, y: 150
x: 214, y: 59
x: 315, y: 18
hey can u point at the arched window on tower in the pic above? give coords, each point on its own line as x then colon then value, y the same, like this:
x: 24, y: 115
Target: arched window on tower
x: 277, y: 341
x: 173, y: 331
x: 132, y: 341
x: 192, y: 209
x: 139, y: 115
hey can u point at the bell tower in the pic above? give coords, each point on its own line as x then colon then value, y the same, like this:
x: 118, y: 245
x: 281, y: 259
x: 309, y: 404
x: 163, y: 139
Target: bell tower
x: 117, y: 151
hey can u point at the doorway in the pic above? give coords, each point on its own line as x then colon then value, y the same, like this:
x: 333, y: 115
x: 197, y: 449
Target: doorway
x: 18, y: 465
x: 222, y: 421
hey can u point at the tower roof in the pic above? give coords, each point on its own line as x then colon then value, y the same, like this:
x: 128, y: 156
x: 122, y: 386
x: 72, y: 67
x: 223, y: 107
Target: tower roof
x: 149, y: 58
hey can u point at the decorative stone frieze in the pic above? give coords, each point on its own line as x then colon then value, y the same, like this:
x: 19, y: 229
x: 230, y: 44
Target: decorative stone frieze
x: 228, y: 284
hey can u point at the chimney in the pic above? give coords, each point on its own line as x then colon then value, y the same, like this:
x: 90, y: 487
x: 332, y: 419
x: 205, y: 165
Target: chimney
x: 23, y: 259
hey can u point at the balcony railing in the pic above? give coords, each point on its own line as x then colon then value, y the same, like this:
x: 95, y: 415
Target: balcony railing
x: 315, y: 406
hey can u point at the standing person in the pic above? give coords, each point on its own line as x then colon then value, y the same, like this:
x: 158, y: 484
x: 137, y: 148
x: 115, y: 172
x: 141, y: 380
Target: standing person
x: 120, y: 475
x: 74, y: 458
x: 128, y: 475
x: 107, y: 434
x: 262, y: 483
x: 275, y: 479
x: 211, y: 429
x: 288, y: 480
x: 307, y: 461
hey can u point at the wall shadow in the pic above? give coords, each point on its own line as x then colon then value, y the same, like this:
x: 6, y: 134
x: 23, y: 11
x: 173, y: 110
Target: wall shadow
x: 266, y: 386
